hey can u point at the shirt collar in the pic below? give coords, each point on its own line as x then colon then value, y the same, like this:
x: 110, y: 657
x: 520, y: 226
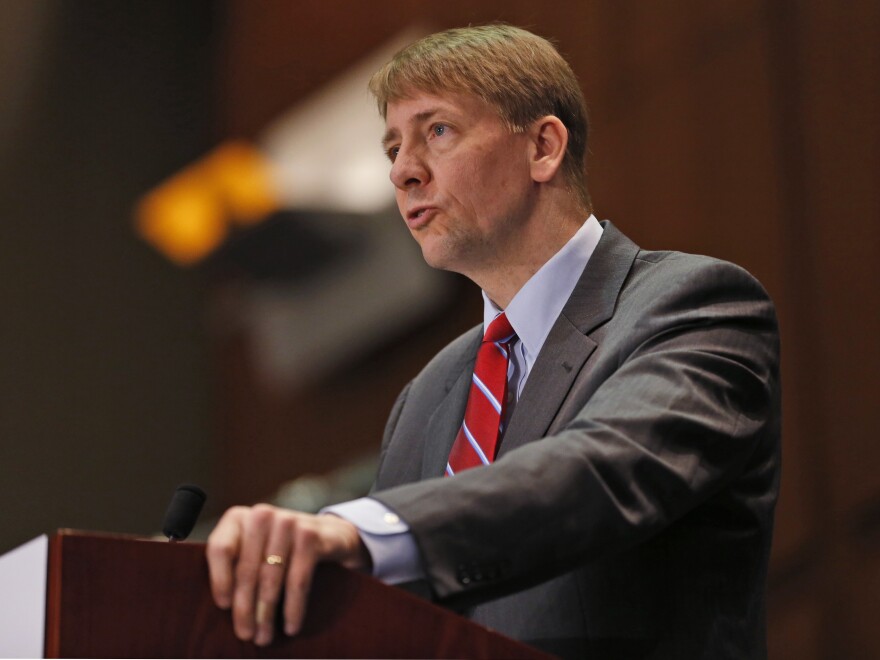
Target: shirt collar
x: 536, y: 306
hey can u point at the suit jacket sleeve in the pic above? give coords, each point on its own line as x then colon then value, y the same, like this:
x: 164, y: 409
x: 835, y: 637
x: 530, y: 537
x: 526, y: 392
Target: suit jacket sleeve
x: 671, y: 412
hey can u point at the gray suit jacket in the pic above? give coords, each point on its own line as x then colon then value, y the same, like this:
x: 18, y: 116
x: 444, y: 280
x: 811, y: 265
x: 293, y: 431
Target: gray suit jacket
x: 629, y: 512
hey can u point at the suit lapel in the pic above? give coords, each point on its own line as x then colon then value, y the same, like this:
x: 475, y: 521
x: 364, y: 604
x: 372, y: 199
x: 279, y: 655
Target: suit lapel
x: 568, y: 346
x: 443, y: 424
x: 594, y: 298
x: 564, y: 353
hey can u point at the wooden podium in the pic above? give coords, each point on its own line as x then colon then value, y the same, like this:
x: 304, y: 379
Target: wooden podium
x: 114, y: 596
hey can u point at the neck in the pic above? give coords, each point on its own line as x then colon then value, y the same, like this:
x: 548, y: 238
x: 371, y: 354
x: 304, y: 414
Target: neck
x: 529, y: 250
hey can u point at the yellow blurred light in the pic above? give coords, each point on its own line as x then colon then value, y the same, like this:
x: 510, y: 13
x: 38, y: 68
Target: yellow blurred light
x: 183, y: 219
x: 188, y: 216
x: 242, y: 176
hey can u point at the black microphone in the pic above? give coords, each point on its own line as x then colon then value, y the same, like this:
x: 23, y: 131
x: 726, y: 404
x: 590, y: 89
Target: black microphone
x: 183, y: 510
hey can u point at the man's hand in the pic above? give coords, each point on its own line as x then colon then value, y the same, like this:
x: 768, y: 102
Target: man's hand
x: 254, y: 552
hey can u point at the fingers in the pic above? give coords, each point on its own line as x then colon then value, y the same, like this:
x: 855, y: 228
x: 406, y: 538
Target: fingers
x: 271, y: 576
x: 243, y: 579
x: 222, y: 551
x: 317, y: 539
x: 299, y: 577
x: 256, y: 528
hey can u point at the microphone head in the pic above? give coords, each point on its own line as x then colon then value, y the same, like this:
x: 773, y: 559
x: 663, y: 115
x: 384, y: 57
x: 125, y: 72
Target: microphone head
x: 183, y: 511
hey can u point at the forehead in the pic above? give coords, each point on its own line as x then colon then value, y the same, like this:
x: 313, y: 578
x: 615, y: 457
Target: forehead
x: 419, y: 106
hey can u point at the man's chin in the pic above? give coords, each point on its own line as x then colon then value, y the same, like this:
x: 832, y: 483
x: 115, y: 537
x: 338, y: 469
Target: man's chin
x: 434, y: 261
x: 433, y: 254
x: 441, y: 253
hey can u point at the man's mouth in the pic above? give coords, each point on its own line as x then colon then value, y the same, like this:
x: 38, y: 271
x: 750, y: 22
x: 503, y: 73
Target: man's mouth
x: 418, y: 216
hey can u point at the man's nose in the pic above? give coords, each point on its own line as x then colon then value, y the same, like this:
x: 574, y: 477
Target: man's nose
x: 408, y: 170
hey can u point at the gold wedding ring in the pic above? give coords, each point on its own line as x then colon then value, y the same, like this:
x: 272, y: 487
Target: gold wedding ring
x: 274, y: 560
x: 263, y: 613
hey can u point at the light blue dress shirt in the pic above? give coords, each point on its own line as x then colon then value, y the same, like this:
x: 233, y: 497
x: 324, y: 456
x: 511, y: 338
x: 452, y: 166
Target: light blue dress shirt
x: 532, y: 313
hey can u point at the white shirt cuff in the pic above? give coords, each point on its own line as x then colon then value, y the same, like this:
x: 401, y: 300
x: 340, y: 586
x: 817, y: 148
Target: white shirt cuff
x: 391, y: 546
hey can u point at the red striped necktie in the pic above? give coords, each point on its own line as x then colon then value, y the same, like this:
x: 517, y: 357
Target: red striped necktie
x: 480, y: 432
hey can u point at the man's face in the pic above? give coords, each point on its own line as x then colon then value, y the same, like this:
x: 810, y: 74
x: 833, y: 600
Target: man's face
x: 462, y: 178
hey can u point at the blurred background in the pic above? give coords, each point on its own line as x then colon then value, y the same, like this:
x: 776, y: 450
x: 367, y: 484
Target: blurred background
x: 134, y: 358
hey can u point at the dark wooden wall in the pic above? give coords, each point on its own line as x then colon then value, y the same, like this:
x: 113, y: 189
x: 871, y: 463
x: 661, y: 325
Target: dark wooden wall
x: 102, y: 367
x: 743, y: 129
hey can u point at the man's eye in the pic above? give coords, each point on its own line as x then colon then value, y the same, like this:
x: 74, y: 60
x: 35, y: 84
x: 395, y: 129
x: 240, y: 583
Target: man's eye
x: 392, y: 153
x: 438, y: 129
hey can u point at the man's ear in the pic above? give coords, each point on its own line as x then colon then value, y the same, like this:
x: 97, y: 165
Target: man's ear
x: 549, y: 138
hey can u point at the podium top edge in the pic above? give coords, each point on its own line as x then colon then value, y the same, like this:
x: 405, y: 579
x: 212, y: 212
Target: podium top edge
x: 69, y: 532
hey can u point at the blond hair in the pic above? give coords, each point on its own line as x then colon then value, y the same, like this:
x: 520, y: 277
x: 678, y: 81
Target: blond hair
x: 520, y: 74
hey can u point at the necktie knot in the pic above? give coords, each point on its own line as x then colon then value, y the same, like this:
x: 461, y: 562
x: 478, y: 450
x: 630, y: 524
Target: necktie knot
x: 499, y: 330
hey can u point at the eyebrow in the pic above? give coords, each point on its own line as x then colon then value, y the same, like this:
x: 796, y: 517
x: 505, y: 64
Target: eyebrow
x: 392, y: 133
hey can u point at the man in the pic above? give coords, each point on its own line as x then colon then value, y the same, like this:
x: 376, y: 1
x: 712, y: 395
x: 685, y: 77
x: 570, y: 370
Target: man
x: 611, y: 493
